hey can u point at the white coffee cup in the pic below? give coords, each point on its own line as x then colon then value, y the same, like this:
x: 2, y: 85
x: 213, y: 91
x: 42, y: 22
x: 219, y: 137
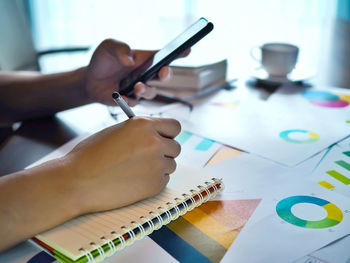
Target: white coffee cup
x: 278, y: 59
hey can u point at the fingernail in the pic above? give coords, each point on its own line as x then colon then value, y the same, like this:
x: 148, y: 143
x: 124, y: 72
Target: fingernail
x: 169, y: 75
x: 142, y: 89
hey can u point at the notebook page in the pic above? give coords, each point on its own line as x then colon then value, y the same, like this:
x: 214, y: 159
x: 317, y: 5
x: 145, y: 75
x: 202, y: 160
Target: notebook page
x: 78, y: 233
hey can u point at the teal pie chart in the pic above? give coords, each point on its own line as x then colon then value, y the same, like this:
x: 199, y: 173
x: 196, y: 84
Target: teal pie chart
x: 312, y: 136
x: 326, y: 99
x: 284, y: 211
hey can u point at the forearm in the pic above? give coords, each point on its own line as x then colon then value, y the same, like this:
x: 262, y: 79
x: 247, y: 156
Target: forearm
x: 35, y: 200
x: 27, y: 96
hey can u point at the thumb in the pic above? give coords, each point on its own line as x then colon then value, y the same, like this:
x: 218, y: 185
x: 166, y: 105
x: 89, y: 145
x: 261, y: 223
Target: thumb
x: 121, y: 51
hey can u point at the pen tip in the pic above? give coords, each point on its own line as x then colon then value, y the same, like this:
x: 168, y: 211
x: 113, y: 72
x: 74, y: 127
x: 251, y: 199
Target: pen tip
x: 116, y: 95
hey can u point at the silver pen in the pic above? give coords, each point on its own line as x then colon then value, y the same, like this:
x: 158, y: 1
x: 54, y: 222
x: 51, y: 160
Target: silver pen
x: 123, y: 105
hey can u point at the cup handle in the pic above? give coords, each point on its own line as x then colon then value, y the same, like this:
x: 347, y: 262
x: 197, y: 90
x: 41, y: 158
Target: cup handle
x: 253, y: 53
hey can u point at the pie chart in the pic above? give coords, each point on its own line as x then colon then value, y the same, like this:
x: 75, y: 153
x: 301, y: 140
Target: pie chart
x: 326, y: 99
x: 284, y: 211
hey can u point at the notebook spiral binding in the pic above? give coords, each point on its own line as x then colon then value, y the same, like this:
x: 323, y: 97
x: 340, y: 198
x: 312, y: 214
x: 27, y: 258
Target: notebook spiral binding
x: 156, y: 220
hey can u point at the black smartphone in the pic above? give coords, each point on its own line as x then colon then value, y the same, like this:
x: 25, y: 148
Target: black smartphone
x: 165, y: 56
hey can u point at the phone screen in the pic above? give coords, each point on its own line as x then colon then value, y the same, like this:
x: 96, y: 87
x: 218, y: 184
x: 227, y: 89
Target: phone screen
x: 164, y: 56
x: 182, y: 38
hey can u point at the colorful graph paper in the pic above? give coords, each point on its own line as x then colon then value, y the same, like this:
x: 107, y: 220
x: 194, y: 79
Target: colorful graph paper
x: 334, y: 214
x: 205, y: 233
x: 196, y: 150
x: 313, y: 137
x: 223, y: 154
x: 326, y: 99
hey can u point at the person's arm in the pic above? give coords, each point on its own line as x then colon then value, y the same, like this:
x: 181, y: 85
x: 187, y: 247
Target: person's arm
x: 31, y: 95
x: 115, y: 167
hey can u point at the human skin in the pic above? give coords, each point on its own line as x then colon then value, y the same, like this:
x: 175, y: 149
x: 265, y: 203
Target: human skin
x: 120, y: 165
x: 115, y: 167
x: 30, y: 95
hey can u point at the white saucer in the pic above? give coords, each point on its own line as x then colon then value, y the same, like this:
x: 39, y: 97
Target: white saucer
x: 297, y: 75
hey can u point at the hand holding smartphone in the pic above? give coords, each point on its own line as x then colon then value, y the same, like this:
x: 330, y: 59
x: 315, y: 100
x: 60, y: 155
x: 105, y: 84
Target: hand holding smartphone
x: 165, y: 56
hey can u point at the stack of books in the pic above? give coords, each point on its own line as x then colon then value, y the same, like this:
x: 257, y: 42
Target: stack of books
x: 193, y: 78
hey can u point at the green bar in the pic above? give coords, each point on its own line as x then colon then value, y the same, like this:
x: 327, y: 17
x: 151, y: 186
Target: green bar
x: 345, y: 180
x: 347, y: 153
x: 327, y: 222
x: 343, y: 164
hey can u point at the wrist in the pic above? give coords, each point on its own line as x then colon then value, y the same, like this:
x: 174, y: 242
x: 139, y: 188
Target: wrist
x: 70, y: 193
x: 81, y: 74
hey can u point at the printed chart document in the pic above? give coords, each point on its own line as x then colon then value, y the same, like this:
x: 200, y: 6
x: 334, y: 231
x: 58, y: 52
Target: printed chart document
x: 206, y: 233
x: 333, y: 173
x: 336, y: 252
x: 296, y: 222
x: 283, y: 132
x: 345, y: 143
x: 322, y: 99
x: 195, y: 150
x: 296, y: 214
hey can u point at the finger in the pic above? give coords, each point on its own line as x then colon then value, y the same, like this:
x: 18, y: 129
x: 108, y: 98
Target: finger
x: 121, y: 50
x: 169, y: 165
x: 172, y: 148
x: 139, y: 89
x: 144, y: 91
x: 124, y: 54
x: 150, y: 93
x: 165, y: 181
x: 140, y: 56
x: 185, y: 53
x: 165, y: 73
x: 126, y: 99
x: 131, y: 102
x: 166, y: 127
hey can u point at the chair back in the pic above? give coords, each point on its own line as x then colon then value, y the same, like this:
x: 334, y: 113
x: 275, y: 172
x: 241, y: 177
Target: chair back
x: 17, y: 50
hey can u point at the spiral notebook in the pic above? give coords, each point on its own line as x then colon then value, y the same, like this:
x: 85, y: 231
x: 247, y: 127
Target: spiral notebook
x: 93, y: 237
